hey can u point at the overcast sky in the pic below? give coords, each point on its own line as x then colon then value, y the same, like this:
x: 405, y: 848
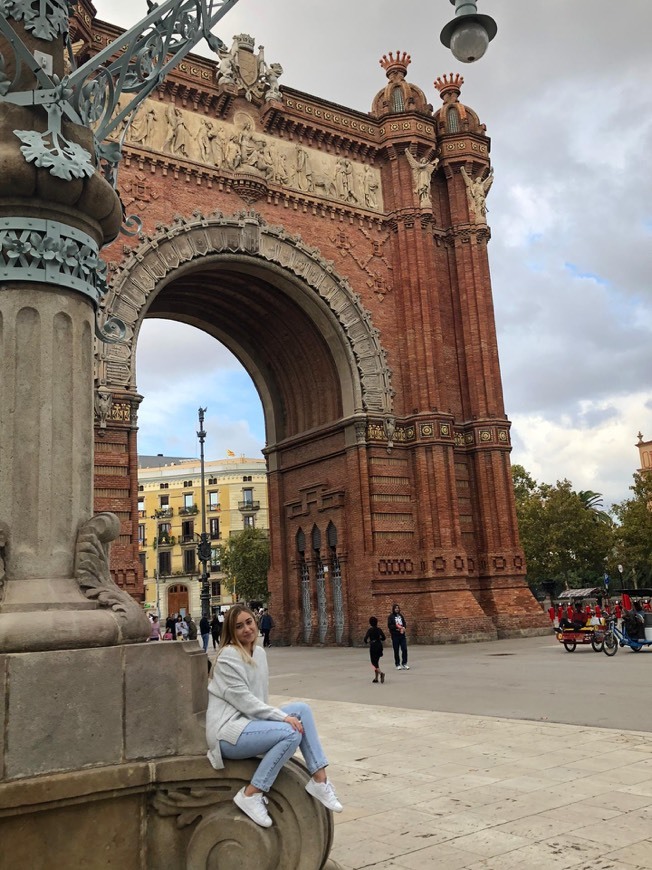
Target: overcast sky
x: 565, y: 90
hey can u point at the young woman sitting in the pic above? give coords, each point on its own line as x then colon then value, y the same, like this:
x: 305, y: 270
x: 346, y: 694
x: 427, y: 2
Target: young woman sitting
x: 241, y: 724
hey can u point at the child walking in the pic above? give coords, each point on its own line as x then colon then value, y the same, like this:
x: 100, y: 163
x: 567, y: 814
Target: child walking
x: 375, y: 637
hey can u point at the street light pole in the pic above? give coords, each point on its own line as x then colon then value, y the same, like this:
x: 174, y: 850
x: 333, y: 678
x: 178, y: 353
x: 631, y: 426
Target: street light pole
x: 156, y: 577
x: 204, y: 548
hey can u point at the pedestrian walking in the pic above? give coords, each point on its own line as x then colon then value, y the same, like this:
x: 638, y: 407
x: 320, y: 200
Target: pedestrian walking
x: 205, y: 631
x: 192, y: 628
x: 171, y: 625
x: 241, y: 724
x: 266, y: 625
x: 396, y: 624
x: 216, y: 630
x: 375, y: 637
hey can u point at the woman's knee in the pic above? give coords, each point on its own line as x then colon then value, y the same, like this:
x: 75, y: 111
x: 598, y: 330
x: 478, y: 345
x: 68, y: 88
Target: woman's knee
x: 301, y: 708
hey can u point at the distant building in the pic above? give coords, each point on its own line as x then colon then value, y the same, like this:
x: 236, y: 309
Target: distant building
x: 644, y: 453
x: 169, y: 524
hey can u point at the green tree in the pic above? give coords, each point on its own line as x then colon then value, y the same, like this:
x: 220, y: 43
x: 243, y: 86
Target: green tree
x: 524, y: 483
x: 633, y: 534
x: 592, y: 501
x: 245, y: 563
x: 560, y: 536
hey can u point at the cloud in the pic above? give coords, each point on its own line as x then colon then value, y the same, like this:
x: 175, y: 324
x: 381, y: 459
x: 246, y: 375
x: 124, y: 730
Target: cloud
x: 181, y: 369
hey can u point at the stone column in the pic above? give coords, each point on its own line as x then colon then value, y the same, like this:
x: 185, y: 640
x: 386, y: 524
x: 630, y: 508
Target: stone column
x: 55, y: 587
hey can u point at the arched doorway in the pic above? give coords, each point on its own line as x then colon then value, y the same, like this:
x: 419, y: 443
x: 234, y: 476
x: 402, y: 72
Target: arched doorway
x: 178, y: 600
x: 314, y: 358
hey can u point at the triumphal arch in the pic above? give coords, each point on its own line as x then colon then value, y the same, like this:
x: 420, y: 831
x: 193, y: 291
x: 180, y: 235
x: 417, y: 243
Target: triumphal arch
x: 342, y: 256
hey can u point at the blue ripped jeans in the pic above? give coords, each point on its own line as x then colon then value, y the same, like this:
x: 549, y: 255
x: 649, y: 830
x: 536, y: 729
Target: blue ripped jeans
x: 277, y: 742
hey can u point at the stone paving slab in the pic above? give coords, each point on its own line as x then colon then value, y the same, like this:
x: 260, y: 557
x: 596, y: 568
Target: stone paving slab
x: 452, y: 791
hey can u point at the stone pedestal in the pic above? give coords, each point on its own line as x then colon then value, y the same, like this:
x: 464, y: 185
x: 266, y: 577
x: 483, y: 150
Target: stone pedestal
x: 104, y: 765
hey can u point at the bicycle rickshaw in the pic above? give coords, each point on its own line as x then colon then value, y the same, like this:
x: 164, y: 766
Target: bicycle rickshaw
x: 590, y: 634
x: 615, y: 637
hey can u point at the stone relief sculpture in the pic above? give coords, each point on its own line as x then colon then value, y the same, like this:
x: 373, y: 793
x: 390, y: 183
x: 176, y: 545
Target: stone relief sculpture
x: 281, y: 172
x: 422, y: 174
x: 273, y: 74
x: 92, y: 567
x: 476, y: 194
x: 237, y: 146
x: 389, y: 425
x: 142, y: 126
x: 239, y: 67
x: 248, y: 152
x: 370, y: 187
x: 344, y: 180
x: 103, y: 402
x: 178, y: 138
x: 303, y: 172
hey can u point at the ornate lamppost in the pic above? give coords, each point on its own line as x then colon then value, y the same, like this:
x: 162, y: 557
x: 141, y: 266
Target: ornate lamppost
x: 58, y: 208
x: 204, y: 546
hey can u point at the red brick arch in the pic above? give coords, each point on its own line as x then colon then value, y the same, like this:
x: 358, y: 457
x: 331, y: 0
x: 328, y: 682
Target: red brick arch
x: 358, y: 297
x: 185, y: 270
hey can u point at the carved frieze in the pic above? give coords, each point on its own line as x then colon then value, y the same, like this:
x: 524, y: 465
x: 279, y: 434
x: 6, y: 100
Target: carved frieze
x: 236, y: 148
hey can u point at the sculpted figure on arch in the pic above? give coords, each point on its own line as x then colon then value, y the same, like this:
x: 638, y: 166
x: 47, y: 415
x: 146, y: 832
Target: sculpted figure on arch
x: 370, y: 187
x: 422, y: 173
x: 344, y: 180
x: 142, y: 126
x: 476, y: 194
x: 303, y: 174
x: 178, y: 138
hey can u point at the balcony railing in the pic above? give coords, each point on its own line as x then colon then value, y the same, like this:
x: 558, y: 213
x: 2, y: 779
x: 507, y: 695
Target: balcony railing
x: 142, y: 542
x: 188, y: 511
x: 248, y: 507
x: 164, y: 541
x: 187, y: 539
x: 213, y: 508
x: 164, y: 513
x: 142, y: 514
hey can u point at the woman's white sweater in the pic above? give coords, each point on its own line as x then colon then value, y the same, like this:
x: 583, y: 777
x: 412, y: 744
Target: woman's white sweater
x: 237, y: 694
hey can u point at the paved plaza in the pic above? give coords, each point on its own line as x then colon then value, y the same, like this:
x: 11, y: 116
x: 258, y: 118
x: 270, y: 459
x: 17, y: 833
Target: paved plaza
x: 484, y: 756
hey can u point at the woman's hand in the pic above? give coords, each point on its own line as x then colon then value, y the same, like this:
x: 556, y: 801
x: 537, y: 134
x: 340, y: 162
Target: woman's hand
x: 295, y: 723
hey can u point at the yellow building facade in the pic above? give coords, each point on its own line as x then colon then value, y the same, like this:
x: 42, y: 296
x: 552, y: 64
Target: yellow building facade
x: 644, y: 453
x: 170, y: 523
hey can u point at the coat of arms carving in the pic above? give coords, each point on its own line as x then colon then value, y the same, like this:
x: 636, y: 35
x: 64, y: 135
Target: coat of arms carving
x: 240, y: 67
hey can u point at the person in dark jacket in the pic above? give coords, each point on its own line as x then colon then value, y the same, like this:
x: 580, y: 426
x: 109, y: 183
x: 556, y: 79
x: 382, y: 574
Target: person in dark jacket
x: 375, y: 637
x: 192, y: 628
x: 205, y: 631
x: 216, y: 630
x: 396, y: 624
x: 266, y: 625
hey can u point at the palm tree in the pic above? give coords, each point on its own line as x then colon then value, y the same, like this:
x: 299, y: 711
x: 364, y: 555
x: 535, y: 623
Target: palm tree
x: 592, y: 501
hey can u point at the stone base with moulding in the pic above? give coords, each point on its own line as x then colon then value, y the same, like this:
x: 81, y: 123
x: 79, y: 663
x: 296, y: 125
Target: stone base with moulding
x: 104, y: 765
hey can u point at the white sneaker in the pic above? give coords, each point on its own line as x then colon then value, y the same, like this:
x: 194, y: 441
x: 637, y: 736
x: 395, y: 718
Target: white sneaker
x: 254, y: 806
x: 325, y: 794
x: 399, y: 667
x: 405, y: 667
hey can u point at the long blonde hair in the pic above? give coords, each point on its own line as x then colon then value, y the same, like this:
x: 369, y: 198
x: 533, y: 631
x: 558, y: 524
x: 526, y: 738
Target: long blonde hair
x: 229, y: 637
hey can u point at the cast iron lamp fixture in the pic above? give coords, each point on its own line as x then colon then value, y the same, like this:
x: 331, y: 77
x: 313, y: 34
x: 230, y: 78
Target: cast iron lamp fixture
x: 469, y: 33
